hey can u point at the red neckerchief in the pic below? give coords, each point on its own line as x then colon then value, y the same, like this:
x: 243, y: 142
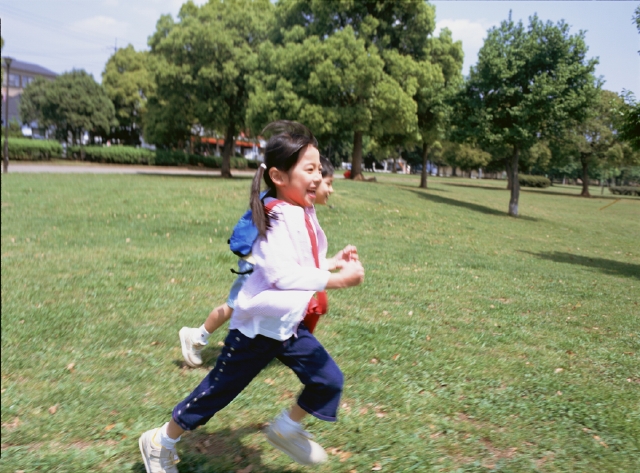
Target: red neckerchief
x: 318, y: 305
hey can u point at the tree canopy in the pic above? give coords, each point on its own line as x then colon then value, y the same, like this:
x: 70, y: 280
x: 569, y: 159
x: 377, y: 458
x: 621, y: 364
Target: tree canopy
x: 202, y: 65
x: 128, y: 83
x: 73, y: 103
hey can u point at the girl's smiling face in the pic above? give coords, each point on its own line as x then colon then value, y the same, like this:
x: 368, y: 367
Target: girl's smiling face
x: 324, y: 190
x: 299, y: 186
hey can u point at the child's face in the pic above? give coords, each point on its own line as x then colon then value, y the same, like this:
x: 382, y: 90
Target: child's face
x: 325, y: 189
x: 299, y: 186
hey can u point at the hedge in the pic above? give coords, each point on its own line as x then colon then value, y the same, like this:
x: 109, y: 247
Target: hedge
x: 114, y: 154
x: 625, y: 190
x: 526, y: 180
x: 26, y: 149
x: 178, y: 158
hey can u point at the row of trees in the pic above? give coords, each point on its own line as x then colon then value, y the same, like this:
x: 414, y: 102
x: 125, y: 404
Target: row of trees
x: 366, y: 77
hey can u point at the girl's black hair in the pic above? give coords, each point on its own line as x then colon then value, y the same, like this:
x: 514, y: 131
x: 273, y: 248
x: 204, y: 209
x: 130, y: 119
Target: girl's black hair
x: 327, y: 167
x: 286, y: 140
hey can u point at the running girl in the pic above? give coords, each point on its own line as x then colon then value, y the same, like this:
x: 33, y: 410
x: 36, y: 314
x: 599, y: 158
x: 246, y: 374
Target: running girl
x: 291, y: 266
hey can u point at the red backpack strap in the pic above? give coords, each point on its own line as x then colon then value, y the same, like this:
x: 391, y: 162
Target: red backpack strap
x: 318, y: 304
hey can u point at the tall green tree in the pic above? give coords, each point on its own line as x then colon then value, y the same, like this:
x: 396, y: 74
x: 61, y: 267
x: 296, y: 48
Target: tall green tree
x: 128, y: 83
x: 382, y: 25
x: 203, y: 62
x: 73, y: 103
x: 331, y: 84
x: 435, y: 92
x: 595, y: 143
x: 528, y: 81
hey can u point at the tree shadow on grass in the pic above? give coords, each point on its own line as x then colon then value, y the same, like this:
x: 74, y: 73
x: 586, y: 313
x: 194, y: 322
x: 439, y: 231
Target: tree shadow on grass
x: 607, y: 266
x: 223, y: 450
x: 468, y: 205
x: 536, y: 191
x: 196, y: 176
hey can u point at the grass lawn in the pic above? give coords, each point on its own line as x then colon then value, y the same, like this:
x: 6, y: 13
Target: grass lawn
x: 478, y: 342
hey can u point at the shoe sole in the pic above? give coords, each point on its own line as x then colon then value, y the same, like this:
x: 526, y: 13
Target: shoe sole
x: 291, y: 455
x: 185, y: 352
x: 144, y: 457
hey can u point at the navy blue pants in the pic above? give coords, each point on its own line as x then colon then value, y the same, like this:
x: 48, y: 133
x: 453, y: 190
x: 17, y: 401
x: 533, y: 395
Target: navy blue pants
x: 241, y: 360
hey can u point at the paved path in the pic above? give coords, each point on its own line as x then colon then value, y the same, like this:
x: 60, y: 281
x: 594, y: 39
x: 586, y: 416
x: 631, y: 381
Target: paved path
x: 94, y: 168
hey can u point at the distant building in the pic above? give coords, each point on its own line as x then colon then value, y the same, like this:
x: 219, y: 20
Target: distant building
x: 20, y: 75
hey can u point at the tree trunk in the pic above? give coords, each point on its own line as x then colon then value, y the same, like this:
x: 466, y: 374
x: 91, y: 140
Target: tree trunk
x: 515, y: 185
x: 453, y: 171
x: 509, y: 175
x: 227, y: 151
x: 423, y: 174
x: 356, y: 157
x: 585, y: 176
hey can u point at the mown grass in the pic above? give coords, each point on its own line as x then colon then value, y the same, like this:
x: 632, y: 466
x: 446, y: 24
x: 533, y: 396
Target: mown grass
x: 478, y: 342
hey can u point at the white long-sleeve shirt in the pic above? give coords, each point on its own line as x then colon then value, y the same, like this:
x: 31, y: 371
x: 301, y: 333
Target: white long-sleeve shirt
x: 274, y: 299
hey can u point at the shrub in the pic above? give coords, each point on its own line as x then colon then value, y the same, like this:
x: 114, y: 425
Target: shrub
x: 26, y: 149
x: 215, y: 162
x: 526, y: 180
x: 625, y: 190
x: 113, y: 154
x: 251, y: 164
x: 170, y: 158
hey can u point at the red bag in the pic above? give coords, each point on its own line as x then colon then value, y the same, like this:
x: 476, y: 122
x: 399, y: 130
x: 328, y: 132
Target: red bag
x: 318, y: 305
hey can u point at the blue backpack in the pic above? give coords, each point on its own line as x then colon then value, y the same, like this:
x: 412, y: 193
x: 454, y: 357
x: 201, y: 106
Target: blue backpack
x: 244, y: 233
x: 243, y: 236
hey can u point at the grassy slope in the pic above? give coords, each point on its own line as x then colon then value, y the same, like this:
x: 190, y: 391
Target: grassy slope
x: 452, y: 348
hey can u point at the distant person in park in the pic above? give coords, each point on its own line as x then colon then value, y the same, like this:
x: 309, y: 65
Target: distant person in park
x: 194, y: 340
x: 268, y: 319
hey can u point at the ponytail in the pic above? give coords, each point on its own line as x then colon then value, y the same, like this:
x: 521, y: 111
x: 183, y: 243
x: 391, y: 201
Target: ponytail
x: 258, y: 214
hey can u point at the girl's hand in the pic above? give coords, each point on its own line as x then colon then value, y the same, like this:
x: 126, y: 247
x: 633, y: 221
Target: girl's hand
x: 351, y: 274
x: 348, y: 253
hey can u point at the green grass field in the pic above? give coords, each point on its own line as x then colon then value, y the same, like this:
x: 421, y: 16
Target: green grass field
x: 477, y: 342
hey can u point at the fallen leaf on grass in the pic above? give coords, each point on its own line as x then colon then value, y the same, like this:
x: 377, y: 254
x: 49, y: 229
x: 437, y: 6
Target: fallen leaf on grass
x: 395, y: 357
x: 248, y: 469
x: 12, y: 425
x: 428, y: 338
x: 363, y: 410
x: 109, y: 427
x: 376, y: 467
x: 71, y: 366
x: 559, y: 370
x: 269, y: 381
x: 154, y: 343
x: 53, y: 409
x: 374, y: 360
x: 344, y: 456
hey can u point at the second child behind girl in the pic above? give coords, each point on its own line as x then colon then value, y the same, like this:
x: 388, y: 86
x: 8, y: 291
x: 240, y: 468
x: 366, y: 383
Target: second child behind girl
x: 267, y: 320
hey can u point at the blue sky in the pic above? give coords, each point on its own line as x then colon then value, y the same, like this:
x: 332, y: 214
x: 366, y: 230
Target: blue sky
x: 66, y: 34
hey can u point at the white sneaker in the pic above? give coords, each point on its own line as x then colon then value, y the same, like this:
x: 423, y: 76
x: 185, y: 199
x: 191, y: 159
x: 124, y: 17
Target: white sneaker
x: 295, y: 442
x: 190, y: 349
x: 157, y: 459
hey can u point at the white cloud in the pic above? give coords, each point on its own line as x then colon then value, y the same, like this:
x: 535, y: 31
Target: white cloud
x: 472, y: 35
x: 100, y: 26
